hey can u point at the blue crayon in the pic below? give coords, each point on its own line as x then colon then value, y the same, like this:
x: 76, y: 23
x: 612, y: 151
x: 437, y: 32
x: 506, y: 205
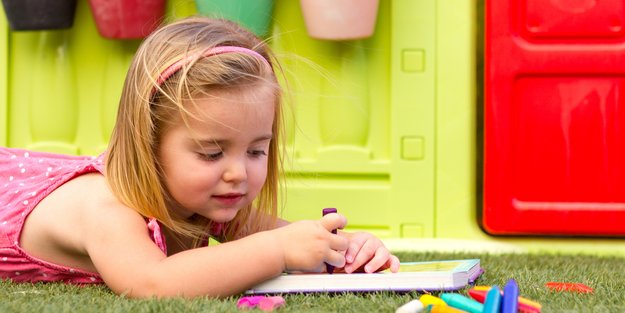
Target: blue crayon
x: 461, y: 302
x: 510, y: 302
x: 492, y: 304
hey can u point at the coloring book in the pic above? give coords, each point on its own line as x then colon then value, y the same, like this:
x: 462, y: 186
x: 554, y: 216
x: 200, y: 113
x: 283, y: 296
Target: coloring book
x: 412, y: 276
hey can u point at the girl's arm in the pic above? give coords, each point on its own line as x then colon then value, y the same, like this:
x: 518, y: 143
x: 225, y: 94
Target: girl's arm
x: 282, y: 223
x: 130, y: 263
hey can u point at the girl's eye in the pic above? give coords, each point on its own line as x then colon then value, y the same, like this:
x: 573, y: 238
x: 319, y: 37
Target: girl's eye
x: 257, y: 153
x: 211, y: 156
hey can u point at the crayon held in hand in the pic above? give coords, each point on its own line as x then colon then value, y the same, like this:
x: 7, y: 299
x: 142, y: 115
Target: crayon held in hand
x: 329, y: 268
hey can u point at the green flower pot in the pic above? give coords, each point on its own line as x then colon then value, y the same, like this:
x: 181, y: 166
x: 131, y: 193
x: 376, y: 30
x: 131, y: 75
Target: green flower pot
x: 255, y: 15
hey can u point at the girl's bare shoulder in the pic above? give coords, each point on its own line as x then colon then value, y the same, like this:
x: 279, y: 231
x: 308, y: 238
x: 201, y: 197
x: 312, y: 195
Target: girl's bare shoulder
x: 84, y: 197
x: 96, y: 205
x: 59, y: 228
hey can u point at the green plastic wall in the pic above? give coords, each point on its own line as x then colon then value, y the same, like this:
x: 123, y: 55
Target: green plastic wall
x: 363, y: 137
x: 383, y: 128
x: 4, y: 96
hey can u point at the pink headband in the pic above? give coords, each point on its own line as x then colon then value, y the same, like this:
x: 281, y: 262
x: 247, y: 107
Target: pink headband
x: 172, y: 69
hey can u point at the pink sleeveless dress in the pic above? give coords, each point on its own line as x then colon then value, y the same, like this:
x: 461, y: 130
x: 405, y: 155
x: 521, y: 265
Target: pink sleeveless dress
x: 26, y: 177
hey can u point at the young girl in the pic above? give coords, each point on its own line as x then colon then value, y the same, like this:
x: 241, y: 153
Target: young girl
x: 194, y: 153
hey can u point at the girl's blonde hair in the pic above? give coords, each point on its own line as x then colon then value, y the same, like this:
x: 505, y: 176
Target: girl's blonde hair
x: 147, y: 110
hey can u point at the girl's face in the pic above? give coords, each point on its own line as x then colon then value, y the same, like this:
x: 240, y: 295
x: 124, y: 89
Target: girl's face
x: 217, y: 164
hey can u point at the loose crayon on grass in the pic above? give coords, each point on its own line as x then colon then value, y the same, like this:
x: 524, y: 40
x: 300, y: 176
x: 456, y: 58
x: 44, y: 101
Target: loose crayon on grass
x: 525, y: 305
x: 445, y: 309
x: 575, y: 287
x: 431, y: 300
x: 493, y: 300
x: 461, y: 302
x: 510, y: 303
x: 414, y: 306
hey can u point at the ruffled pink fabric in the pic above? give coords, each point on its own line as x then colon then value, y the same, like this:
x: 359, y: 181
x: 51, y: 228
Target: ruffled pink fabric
x: 156, y: 234
x: 26, y: 177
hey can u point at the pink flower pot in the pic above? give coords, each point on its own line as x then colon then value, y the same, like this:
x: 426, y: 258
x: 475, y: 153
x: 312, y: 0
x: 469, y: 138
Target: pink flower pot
x: 127, y: 19
x: 340, y: 19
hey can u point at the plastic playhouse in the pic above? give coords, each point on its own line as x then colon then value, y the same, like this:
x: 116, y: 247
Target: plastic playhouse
x: 446, y: 124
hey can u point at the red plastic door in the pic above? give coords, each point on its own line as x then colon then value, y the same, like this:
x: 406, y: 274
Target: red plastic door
x: 554, y: 159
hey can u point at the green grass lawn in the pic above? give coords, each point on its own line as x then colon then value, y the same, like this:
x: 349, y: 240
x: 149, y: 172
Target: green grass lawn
x: 606, y: 275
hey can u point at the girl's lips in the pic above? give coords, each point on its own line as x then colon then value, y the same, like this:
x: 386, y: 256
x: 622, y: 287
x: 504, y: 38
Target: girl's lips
x: 229, y: 199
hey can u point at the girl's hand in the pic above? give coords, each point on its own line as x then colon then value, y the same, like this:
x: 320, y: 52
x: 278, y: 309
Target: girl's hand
x: 367, y: 253
x: 306, y: 245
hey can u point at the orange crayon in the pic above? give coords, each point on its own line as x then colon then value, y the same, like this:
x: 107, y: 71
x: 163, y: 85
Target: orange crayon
x: 445, y: 309
x: 575, y: 287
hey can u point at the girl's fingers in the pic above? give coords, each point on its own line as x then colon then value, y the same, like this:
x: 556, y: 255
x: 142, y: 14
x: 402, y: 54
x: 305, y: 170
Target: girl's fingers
x: 364, y: 254
x: 335, y: 258
x: 333, y: 221
x: 394, y: 264
x: 339, y: 243
x: 379, y: 259
x: 353, y: 250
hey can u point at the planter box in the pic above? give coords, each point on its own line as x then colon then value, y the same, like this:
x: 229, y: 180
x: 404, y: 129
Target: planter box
x: 255, y: 15
x: 340, y: 19
x: 39, y: 14
x: 127, y: 19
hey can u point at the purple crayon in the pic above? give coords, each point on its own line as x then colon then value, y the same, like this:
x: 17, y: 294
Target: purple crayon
x: 329, y: 268
x: 510, y: 302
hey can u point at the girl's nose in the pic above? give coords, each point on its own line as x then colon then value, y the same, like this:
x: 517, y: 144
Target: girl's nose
x: 235, y: 171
